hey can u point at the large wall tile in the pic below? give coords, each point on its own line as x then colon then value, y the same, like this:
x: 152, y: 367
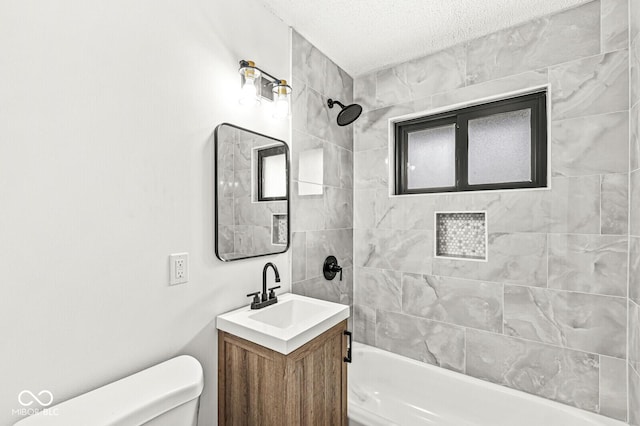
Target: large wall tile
x: 423, y: 340
x: 588, y: 263
x: 331, y: 164
x: 513, y: 258
x: 634, y: 397
x: 320, y: 244
x: 364, y: 324
x: 299, y: 106
x: 378, y: 289
x: 634, y: 269
x: 615, y: 25
x: 593, y: 85
x: 364, y: 214
x: 580, y: 321
x: 337, y: 83
x: 226, y: 239
x: 364, y: 91
x: 422, y: 77
x: 590, y: 145
x: 536, y: 44
x: 298, y: 256
x: 371, y: 169
x: 634, y: 216
x: 634, y: 62
x: 416, y: 212
x: 345, y: 168
x: 392, y: 87
x: 346, y: 286
x: 243, y: 239
x: 475, y: 304
x: 371, y: 131
x: 519, y: 211
x: 333, y: 291
x: 634, y: 128
x: 306, y: 210
x: 565, y: 375
x: 338, y: 208
x: 490, y: 88
x: 225, y: 211
x: 403, y: 213
x: 575, y: 205
x: 406, y: 251
x: 308, y: 63
x: 388, y: 211
x: 613, y: 392
x: 614, y: 204
x: 634, y: 335
x: 262, y: 240
x: 634, y: 18
x: 321, y: 121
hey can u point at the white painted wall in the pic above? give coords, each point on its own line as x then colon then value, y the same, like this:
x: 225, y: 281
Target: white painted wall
x: 106, y: 114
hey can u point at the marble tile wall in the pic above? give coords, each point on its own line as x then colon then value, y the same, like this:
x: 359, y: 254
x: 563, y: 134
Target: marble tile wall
x: 547, y: 313
x: 322, y: 224
x: 634, y: 216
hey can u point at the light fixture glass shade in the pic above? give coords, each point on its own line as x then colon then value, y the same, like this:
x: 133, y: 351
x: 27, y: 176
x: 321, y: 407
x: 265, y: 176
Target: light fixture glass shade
x: 281, y: 100
x: 250, y: 84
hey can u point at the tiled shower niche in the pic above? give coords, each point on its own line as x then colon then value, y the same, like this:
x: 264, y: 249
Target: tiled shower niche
x: 461, y: 235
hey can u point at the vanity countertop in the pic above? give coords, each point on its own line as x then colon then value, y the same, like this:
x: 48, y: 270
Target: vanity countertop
x: 286, y: 325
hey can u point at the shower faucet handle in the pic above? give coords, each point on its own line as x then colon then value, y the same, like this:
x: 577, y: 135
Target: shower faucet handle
x: 331, y: 268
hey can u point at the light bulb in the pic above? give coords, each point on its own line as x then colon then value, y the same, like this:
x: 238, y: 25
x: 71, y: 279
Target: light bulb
x: 281, y: 95
x: 248, y: 93
x: 250, y: 89
x: 281, y: 108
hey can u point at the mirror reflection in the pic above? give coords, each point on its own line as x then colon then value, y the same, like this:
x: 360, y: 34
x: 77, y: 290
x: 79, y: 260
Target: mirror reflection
x: 252, y: 205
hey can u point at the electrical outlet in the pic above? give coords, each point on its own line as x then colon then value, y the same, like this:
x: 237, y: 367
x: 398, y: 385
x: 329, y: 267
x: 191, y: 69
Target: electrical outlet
x: 178, y: 268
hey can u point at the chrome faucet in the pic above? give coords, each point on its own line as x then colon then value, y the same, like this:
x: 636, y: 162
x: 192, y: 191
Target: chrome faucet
x: 266, y: 299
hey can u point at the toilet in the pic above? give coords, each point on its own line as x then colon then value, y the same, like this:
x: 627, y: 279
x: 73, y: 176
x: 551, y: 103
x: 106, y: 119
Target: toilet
x: 166, y: 394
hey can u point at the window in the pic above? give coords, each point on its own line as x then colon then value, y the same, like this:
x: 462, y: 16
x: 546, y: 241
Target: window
x: 272, y: 174
x: 498, y: 145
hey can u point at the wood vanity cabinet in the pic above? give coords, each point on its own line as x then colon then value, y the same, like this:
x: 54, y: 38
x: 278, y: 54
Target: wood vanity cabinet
x: 259, y: 386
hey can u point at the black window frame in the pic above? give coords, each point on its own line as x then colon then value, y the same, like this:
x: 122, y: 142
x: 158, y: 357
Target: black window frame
x: 537, y: 102
x: 269, y: 152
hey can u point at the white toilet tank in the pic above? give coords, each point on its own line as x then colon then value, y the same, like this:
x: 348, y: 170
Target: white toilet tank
x: 166, y: 394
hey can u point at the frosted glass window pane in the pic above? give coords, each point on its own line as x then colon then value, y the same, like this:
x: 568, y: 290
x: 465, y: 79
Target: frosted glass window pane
x: 431, y: 155
x: 500, y: 148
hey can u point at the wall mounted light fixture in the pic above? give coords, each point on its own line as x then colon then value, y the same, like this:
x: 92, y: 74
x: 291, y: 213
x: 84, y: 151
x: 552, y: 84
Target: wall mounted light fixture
x: 257, y: 84
x: 250, y: 83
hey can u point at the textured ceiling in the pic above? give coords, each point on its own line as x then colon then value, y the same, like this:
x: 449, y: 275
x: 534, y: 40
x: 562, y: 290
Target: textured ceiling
x: 364, y: 35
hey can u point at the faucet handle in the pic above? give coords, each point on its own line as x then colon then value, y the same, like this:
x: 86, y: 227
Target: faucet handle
x: 272, y: 292
x: 256, y: 299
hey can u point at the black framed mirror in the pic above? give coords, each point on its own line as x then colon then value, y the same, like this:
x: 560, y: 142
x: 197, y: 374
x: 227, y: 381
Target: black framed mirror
x: 252, y: 206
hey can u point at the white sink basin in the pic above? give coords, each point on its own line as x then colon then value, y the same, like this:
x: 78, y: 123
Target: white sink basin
x: 285, y: 326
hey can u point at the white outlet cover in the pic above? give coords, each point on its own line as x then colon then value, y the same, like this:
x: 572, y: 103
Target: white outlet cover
x: 178, y: 268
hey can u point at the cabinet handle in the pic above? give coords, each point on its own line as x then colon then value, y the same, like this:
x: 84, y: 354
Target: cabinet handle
x: 350, y: 336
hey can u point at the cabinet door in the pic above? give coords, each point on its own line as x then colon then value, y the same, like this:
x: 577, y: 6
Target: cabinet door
x: 251, y: 384
x: 317, y: 381
x: 260, y: 387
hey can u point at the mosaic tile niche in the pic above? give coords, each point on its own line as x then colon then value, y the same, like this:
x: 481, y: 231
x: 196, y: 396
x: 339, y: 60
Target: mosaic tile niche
x: 461, y: 235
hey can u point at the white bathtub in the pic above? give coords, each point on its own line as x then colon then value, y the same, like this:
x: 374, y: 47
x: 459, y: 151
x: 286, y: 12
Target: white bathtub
x: 386, y: 389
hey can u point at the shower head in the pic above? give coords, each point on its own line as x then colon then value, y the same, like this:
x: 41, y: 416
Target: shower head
x: 349, y: 113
